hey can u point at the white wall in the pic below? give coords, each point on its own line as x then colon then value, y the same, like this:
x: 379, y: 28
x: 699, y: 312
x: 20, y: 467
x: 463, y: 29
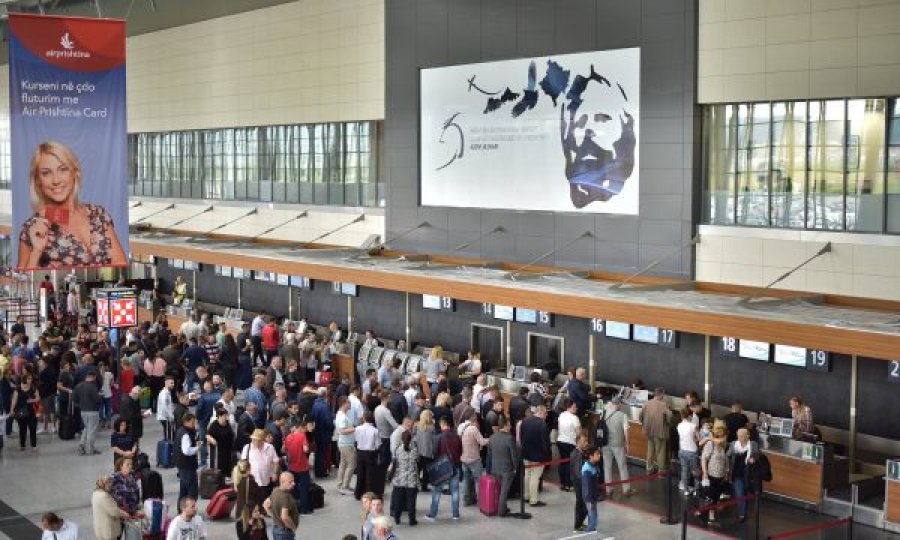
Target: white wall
x: 859, y: 265
x: 303, y: 62
x: 757, y: 50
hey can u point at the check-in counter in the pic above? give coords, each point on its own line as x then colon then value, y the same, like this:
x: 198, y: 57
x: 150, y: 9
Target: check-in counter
x: 892, y: 493
x: 343, y: 366
x: 802, y: 471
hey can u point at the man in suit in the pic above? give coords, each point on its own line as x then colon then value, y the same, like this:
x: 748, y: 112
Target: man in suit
x: 535, y: 444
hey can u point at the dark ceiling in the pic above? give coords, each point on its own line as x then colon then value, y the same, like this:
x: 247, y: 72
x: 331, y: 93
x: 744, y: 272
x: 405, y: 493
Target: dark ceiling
x: 143, y: 15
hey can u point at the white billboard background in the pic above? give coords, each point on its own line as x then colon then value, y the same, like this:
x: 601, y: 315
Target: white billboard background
x: 477, y: 159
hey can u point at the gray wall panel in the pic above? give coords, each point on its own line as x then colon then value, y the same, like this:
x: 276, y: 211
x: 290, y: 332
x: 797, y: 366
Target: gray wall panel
x: 431, y: 33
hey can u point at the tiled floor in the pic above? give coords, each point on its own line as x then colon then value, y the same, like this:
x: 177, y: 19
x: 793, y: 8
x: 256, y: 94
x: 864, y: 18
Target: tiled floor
x: 57, y: 479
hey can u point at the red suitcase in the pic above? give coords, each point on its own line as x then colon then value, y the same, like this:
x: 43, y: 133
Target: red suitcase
x: 221, y: 504
x: 489, y: 495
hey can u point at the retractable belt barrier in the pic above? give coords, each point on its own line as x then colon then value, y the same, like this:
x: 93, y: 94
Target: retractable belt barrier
x: 634, y: 479
x: 723, y: 504
x: 547, y: 463
x: 819, y: 527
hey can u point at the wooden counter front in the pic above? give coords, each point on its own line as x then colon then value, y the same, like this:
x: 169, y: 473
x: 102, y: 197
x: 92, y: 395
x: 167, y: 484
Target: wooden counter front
x: 795, y: 478
x: 637, y: 441
x: 145, y: 314
x: 343, y: 366
x: 892, y: 502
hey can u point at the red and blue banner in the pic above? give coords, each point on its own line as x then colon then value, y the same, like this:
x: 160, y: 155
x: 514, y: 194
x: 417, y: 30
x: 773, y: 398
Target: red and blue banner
x: 69, y: 141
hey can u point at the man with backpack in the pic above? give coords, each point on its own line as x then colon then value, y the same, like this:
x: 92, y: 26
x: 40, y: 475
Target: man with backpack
x: 615, y: 444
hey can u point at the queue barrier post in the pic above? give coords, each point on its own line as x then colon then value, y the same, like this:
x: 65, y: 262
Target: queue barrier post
x: 522, y: 513
x: 684, y: 521
x: 757, y: 503
x: 668, y: 519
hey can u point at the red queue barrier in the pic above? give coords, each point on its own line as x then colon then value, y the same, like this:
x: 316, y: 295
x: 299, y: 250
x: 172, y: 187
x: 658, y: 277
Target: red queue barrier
x: 814, y: 528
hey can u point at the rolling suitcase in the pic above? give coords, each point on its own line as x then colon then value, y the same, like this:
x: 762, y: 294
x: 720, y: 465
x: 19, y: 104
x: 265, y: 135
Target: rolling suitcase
x: 156, y: 515
x: 317, y: 496
x: 68, y: 423
x: 211, y: 479
x: 165, y: 450
x: 151, y: 485
x: 221, y: 504
x: 489, y: 495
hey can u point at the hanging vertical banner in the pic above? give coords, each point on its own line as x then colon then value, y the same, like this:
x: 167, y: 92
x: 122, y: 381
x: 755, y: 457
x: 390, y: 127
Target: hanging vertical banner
x: 69, y: 141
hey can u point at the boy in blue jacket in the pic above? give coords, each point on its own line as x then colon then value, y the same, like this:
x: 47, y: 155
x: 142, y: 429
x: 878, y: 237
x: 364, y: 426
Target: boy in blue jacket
x: 590, y: 475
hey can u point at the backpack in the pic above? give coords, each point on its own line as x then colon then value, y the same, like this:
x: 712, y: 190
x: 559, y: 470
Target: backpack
x: 602, y: 431
x: 765, y: 469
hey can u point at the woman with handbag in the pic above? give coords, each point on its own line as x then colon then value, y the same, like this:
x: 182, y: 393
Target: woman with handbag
x: 25, y: 400
x: 424, y: 436
x: 406, y: 479
x: 742, y: 456
x: 714, y: 465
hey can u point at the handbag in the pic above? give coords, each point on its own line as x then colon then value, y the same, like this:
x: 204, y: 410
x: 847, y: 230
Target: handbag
x: 440, y: 470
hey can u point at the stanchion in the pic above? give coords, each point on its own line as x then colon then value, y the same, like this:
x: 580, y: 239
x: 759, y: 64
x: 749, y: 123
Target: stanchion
x: 668, y: 519
x: 684, y: 520
x: 522, y: 513
x: 757, y: 509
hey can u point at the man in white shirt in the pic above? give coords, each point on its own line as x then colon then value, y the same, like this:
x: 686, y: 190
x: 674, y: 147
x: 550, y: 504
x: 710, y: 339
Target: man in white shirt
x: 476, y: 393
x: 256, y: 330
x: 227, y: 403
x: 346, y: 441
x: 687, y: 448
x: 355, y: 414
x: 165, y: 408
x: 397, y: 435
x: 56, y: 528
x: 190, y: 328
x: 187, y: 525
x: 411, y: 391
x: 568, y: 428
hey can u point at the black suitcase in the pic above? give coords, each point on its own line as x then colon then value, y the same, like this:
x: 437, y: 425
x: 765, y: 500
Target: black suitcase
x: 151, y: 485
x: 68, y: 427
x: 212, y: 479
x: 317, y: 496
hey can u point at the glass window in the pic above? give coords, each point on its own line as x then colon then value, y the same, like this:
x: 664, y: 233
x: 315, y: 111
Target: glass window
x: 825, y: 193
x: 865, y: 164
x: 753, y: 164
x: 893, y: 167
x: 788, y: 163
x: 720, y: 157
x: 272, y: 163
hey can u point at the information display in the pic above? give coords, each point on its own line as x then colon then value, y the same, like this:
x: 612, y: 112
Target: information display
x: 430, y: 301
x: 300, y: 282
x: 618, y: 330
x: 646, y: 334
x: 556, y: 133
x: 349, y: 289
x: 283, y: 279
x: 790, y: 356
x: 527, y: 316
x: 754, y: 350
x: 504, y: 313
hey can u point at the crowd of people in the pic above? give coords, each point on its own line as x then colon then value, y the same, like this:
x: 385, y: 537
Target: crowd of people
x: 265, y: 410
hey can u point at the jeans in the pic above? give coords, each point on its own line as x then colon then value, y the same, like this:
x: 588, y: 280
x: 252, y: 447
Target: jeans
x: 28, y: 425
x: 89, y: 433
x: 471, y: 474
x: 565, y: 450
x: 187, y: 483
x: 105, y: 409
x: 280, y: 533
x: 580, y: 508
x: 454, y: 496
x: 616, y: 453
x: 591, y: 516
x: 347, y: 466
x: 301, y: 492
x: 686, y: 459
x: 739, y: 483
x: 533, y: 481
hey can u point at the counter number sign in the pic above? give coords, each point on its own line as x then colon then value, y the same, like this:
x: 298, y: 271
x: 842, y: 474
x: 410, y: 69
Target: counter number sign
x: 894, y: 371
x: 728, y: 346
x: 817, y: 360
x: 598, y: 326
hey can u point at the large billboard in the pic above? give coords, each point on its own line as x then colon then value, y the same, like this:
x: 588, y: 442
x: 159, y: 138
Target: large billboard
x: 555, y: 133
x: 69, y: 141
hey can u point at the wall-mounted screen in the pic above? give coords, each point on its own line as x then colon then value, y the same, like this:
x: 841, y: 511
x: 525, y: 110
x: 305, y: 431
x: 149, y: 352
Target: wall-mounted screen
x: 300, y: 282
x: 262, y: 275
x: 512, y: 134
x: 240, y: 273
x: 282, y: 279
x: 754, y: 350
x: 790, y: 356
x: 645, y: 334
x: 430, y: 301
x: 618, y: 330
x: 505, y: 313
x: 527, y: 316
x: 349, y: 289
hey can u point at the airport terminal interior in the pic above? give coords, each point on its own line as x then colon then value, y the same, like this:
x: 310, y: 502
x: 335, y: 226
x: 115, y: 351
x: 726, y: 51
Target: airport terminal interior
x: 545, y: 213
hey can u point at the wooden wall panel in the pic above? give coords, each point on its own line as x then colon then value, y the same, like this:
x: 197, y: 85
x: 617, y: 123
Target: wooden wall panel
x: 892, y: 504
x: 795, y: 478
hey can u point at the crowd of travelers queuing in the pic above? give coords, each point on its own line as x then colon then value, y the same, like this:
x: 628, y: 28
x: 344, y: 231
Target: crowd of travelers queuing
x: 412, y: 432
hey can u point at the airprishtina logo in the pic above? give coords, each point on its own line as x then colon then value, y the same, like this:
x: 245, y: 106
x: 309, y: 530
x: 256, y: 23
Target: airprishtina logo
x: 66, y: 42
